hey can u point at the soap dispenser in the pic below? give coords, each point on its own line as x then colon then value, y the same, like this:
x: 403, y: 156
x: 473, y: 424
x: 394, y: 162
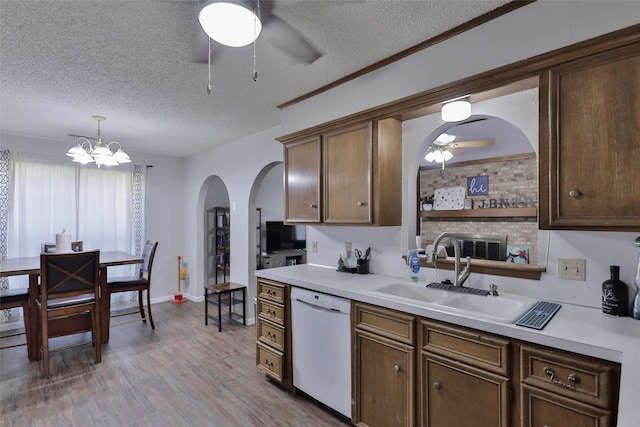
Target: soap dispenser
x: 414, y: 264
x: 615, y: 294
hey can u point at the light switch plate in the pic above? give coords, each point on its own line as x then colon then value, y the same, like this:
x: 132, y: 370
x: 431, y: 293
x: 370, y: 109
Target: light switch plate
x: 572, y: 268
x: 347, y: 247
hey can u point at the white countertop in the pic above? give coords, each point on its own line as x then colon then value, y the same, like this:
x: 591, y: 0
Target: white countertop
x: 582, y: 330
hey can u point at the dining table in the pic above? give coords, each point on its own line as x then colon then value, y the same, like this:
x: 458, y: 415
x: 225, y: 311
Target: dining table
x: 31, y: 266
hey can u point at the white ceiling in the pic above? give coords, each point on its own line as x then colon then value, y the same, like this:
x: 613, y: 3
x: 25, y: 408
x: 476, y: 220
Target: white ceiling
x: 63, y: 61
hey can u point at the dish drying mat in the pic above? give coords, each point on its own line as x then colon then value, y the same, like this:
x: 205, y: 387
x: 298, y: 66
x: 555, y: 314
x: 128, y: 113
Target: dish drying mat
x: 538, y: 315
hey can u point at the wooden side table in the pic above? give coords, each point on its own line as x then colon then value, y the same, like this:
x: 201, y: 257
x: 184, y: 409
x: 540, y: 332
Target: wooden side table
x: 226, y: 294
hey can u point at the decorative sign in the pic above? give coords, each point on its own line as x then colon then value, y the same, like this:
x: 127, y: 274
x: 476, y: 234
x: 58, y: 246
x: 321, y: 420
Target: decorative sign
x: 478, y: 185
x: 448, y: 199
x: 514, y: 202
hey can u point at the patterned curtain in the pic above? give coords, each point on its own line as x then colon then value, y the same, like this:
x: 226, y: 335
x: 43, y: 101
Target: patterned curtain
x: 5, y: 315
x: 138, y: 214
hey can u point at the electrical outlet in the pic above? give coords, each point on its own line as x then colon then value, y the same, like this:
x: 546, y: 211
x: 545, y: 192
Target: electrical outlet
x: 347, y: 247
x: 314, y: 246
x: 572, y: 268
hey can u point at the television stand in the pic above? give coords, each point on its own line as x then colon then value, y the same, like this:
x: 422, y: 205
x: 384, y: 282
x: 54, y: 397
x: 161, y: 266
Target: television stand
x: 283, y: 258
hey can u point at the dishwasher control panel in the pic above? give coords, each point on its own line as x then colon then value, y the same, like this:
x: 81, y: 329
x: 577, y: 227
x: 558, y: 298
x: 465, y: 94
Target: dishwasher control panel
x: 321, y: 300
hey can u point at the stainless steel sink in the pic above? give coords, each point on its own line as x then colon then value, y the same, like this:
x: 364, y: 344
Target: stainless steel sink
x: 503, y: 308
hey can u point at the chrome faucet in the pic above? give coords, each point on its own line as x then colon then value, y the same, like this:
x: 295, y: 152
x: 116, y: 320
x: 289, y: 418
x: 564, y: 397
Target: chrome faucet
x: 459, y: 277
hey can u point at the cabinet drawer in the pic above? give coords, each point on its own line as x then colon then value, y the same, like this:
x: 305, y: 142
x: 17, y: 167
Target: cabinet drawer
x: 578, y: 377
x: 385, y: 322
x: 271, y: 334
x: 271, y: 311
x: 474, y: 348
x: 270, y: 361
x: 272, y: 291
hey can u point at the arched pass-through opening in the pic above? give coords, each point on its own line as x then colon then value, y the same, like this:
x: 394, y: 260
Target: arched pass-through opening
x: 266, y: 202
x: 499, y: 143
x: 213, y: 253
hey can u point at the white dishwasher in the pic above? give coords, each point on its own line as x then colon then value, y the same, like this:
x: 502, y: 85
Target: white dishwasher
x: 321, y: 347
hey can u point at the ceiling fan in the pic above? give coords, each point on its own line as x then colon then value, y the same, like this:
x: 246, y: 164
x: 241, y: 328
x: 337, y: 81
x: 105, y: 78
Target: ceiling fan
x: 274, y: 29
x: 446, y: 146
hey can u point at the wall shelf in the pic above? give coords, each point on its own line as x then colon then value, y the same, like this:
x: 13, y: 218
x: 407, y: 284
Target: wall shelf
x: 496, y: 268
x: 482, y: 213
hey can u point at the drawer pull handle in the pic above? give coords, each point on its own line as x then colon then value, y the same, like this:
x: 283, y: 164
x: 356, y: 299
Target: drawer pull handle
x: 271, y: 336
x: 573, y: 378
x: 396, y: 368
x: 268, y: 364
x: 437, y: 386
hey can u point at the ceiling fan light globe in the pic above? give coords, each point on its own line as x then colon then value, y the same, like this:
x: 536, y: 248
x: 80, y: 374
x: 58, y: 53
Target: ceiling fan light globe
x: 232, y: 24
x: 429, y: 157
x: 456, y: 110
x: 447, y: 155
x: 437, y: 157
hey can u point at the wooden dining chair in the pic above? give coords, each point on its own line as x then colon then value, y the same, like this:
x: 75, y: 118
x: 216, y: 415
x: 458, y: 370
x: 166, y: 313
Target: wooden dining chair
x: 14, y: 298
x: 69, y: 288
x: 140, y: 282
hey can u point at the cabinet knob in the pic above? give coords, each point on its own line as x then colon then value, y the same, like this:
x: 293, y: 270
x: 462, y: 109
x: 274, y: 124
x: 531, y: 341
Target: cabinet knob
x: 361, y: 203
x: 574, y: 193
x: 396, y: 368
x: 437, y: 386
x: 313, y: 205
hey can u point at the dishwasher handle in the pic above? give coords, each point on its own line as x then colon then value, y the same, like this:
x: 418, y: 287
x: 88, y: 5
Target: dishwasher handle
x: 319, y: 307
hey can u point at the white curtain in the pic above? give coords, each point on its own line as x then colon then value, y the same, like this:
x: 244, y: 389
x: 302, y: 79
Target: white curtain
x: 47, y: 195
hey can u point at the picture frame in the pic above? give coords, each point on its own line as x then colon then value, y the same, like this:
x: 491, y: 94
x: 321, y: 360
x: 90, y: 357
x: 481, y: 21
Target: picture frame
x: 477, y: 185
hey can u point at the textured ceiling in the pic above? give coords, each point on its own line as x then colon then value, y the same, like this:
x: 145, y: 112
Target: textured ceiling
x: 132, y: 61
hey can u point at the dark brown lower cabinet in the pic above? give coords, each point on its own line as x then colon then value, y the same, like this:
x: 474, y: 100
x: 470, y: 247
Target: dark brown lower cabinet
x: 541, y: 408
x: 456, y: 395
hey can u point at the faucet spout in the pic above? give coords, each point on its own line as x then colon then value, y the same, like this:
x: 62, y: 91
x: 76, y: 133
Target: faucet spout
x: 459, y: 278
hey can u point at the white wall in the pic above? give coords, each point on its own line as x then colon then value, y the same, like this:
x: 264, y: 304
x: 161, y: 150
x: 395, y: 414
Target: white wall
x: 238, y: 164
x: 165, y: 206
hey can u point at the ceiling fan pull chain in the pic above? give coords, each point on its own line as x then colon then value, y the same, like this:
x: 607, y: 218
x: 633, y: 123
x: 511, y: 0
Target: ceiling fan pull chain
x: 255, y: 37
x: 209, y: 87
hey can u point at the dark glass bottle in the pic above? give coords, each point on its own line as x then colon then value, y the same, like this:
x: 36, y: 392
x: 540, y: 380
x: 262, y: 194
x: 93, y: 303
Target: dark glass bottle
x: 615, y: 294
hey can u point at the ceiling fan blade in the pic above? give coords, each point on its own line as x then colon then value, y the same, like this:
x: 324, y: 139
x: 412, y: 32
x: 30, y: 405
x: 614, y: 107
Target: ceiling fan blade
x: 289, y: 40
x: 200, y: 49
x: 473, y: 143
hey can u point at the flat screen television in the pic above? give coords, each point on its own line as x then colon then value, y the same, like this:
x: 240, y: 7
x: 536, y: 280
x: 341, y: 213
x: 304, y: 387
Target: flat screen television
x: 281, y: 237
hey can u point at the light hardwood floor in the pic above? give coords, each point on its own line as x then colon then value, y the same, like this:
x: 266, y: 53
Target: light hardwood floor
x: 182, y: 373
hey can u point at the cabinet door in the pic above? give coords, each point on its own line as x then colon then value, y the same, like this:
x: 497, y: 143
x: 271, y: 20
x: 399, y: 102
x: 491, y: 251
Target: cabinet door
x: 302, y: 168
x: 459, y: 395
x: 383, y: 382
x: 540, y: 408
x: 348, y: 155
x: 589, y: 154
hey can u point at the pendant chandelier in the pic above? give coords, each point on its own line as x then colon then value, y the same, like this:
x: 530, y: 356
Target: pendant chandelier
x: 98, y: 152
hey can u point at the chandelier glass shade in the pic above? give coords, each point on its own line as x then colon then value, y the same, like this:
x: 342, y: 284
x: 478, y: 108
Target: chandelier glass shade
x: 231, y: 23
x: 98, y: 152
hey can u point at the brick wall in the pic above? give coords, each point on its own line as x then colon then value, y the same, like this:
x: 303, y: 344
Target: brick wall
x: 506, y: 179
